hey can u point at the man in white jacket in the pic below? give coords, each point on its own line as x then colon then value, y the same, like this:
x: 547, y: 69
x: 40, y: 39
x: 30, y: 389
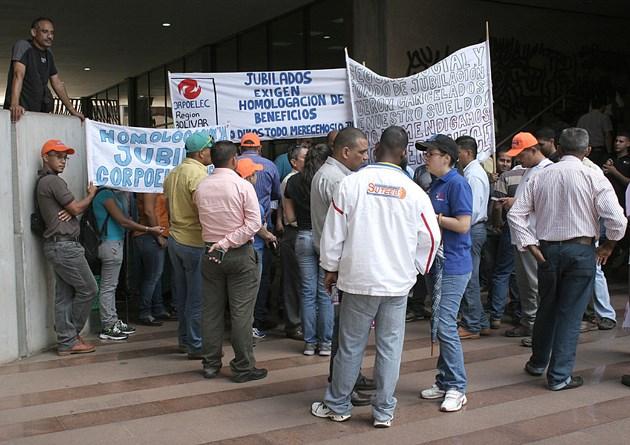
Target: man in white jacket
x: 380, y: 231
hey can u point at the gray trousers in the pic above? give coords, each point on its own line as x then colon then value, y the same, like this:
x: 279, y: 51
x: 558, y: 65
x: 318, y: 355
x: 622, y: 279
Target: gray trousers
x: 527, y: 281
x: 110, y: 252
x: 290, y: 279
x: 75, y: 288
x: 233, y: 282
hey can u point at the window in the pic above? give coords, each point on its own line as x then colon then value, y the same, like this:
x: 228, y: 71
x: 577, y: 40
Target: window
x: 327, y: 35
x: 252, y: 53
x: 287, y: 42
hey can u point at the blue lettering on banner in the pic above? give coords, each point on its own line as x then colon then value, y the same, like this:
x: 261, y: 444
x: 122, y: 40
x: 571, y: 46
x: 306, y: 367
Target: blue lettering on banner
x: 128, y: 177
x: 123, y: 161
x: 281, y: 78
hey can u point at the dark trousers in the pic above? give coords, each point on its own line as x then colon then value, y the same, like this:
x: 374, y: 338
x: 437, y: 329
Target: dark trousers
x: 234, y: 283
x: 262, y: 299
x: 290, y: 279
x: 565, y: 286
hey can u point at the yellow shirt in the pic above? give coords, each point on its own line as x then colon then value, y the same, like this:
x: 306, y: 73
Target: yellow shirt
x: 179, y: 187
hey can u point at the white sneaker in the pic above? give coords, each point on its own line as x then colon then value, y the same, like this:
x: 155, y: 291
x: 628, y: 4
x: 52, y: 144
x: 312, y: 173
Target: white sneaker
x: 382, y: 423
x: 309, y: 348
x: 319, y: 409
x: 432, y: 393
x: 453, y: 401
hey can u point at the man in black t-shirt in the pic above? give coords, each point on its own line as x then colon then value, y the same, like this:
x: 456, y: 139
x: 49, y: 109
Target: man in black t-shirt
x: 618, y: 171
x: 32, y: 65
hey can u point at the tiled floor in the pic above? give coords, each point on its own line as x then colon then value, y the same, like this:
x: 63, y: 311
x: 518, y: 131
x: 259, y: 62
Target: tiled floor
x: 144, y: 392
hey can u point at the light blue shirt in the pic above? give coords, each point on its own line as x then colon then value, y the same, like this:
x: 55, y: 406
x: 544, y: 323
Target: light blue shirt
x: 477, y: 178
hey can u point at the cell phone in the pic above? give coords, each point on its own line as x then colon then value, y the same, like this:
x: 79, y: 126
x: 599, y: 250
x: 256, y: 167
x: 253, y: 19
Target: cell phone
x: 216, y: 255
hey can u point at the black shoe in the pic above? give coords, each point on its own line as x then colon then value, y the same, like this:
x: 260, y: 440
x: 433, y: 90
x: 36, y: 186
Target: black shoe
x: 575, y: 382
x: 625, y: 379
x: 150, y: 321
x: 167, y: 316
x: 532, y: 371
x: 210, y: 373
x: 195, y: 356
x: 606, y: 324
x: 295, y: 334
x: 254, y: 374
x: 360, y: 398
x: 365, y: 384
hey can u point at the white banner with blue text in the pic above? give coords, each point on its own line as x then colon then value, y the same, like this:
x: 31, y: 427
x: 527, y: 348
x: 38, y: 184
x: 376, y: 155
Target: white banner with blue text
x: 272, y: 104
x: 452, y: 97
x: 137, y: 159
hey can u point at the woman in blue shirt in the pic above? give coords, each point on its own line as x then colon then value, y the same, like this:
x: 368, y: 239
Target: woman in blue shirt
x: 451, y: 197
x: 110, y: 210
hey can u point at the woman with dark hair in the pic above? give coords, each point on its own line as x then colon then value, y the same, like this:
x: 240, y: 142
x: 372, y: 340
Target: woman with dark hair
x: 317, y: 309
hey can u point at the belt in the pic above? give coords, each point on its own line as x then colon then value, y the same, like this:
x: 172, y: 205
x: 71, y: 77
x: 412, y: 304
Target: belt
x: 585, y: 240
x: 210, y: 244
x: 60, y: 238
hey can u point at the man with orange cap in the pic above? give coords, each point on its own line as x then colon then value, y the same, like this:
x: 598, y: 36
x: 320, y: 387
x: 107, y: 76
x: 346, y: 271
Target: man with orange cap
x: 268, y: 191
x: 75, y: 286
x: 526, y: 150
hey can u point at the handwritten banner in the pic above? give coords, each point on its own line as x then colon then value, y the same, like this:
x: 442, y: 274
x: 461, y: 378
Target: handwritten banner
x: 137, y: 159
x: 452, y: 97
x: 274, y: 104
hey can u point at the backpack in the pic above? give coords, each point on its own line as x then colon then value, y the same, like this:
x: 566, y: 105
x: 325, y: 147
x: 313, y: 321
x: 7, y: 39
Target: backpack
x: 38, y: 225
x: 90, y: 236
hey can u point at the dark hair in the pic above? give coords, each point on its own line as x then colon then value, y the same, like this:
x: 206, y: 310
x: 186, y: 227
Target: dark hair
x: 348, y: 137
x: 315, y: 158
x: 467, y: 143
x: 545, y: 133
x: 623, y: 133
x: 574, y: 141
x: 222, y: 153
x: 394, y: 138
x: 41, y: 19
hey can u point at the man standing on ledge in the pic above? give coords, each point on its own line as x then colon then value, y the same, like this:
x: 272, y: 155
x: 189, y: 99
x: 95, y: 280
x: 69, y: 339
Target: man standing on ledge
x: 230, y: 217
x: 32, y: 64
x: 375, y: 265
x: 185, y: 245
x: 75, y: 286
x: 569, y: 199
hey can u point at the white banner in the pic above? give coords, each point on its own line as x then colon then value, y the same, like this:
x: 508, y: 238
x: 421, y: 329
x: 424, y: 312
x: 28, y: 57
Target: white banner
x: 452, y: 97
x: 137, y: 159
x: 274, y: 105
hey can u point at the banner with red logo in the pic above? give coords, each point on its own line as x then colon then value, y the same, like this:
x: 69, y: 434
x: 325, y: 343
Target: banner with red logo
x: 272, y: 104
x: 452, y: 97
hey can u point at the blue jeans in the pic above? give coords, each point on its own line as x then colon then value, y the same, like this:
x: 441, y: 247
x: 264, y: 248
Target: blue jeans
x: 450, y: 365
x: 565, y: 286
x: 473, y: 316
x: 601, y: 302
x: 264, y: 268
x: 317, y: 307
x: 152, y: 259
x: 503, y: 275
x: 186, y: 263
x: 355, y: 318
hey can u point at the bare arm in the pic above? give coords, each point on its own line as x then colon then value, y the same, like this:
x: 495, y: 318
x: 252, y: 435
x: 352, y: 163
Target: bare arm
x: 458, y: 224
x: 75, y: 208
x: 129, y: 224
x: 60, y: 89
x: 19, y: 71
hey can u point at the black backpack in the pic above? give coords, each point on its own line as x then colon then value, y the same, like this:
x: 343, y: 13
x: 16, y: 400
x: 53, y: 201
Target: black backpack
x: 90, y: 236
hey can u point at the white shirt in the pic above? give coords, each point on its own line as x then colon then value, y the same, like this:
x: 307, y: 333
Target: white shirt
x: 380, y: 232
x: 477, y: 179
x: 569, y: 199
x: 527, y: 176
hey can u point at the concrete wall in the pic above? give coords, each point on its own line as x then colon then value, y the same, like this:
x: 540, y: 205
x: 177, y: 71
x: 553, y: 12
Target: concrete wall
x: 8, y: 302
x: 24, y: 274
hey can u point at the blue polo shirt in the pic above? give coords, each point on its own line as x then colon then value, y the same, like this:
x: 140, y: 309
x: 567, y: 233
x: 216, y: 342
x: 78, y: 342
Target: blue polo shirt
x: 451, y: 196
x: 267, y: 184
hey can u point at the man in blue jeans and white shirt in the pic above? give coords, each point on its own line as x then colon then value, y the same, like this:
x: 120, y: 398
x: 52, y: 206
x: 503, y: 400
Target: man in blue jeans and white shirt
x: 375, y: 265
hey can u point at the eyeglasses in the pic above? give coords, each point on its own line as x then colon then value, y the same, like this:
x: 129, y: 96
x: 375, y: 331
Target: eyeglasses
x: 429, y: 154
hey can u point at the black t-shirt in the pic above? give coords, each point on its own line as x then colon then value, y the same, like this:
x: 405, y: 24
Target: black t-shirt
x: 40, y: 66
x: 622, y: 164
x: 301, y: 197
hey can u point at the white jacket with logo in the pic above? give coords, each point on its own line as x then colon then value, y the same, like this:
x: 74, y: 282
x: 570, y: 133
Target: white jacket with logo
x: 380, y: 232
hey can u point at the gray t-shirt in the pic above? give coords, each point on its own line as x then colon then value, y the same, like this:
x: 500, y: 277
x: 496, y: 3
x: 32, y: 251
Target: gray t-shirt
x: 40, y: 66
x: 323, y: 187
x: 52, y: 196
x: 598, y: 125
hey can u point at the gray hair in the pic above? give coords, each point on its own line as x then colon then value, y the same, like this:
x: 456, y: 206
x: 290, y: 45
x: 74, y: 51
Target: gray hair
x: 574, y: 141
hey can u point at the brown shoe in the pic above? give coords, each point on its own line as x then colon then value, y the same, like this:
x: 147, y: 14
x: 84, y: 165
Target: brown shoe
x: 465, y: 334
x: 484, y: 332
x: 519, y: 331
x: 78, y: 348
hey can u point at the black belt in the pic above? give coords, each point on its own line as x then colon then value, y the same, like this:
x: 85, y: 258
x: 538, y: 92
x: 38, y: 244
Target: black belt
x: 60, y: 238
x: 585, y: 240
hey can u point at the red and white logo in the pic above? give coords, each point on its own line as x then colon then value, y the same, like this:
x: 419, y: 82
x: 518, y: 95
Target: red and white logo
x: 189, y: 89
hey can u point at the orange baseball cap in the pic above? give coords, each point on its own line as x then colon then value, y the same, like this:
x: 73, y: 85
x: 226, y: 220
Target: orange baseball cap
x: 56, y: 145
x: 250, y: 140
x: 520, y: 142
x: 246, y: 167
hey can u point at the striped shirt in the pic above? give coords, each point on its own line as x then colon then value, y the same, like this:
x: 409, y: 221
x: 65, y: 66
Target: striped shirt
x: 569, y: 199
